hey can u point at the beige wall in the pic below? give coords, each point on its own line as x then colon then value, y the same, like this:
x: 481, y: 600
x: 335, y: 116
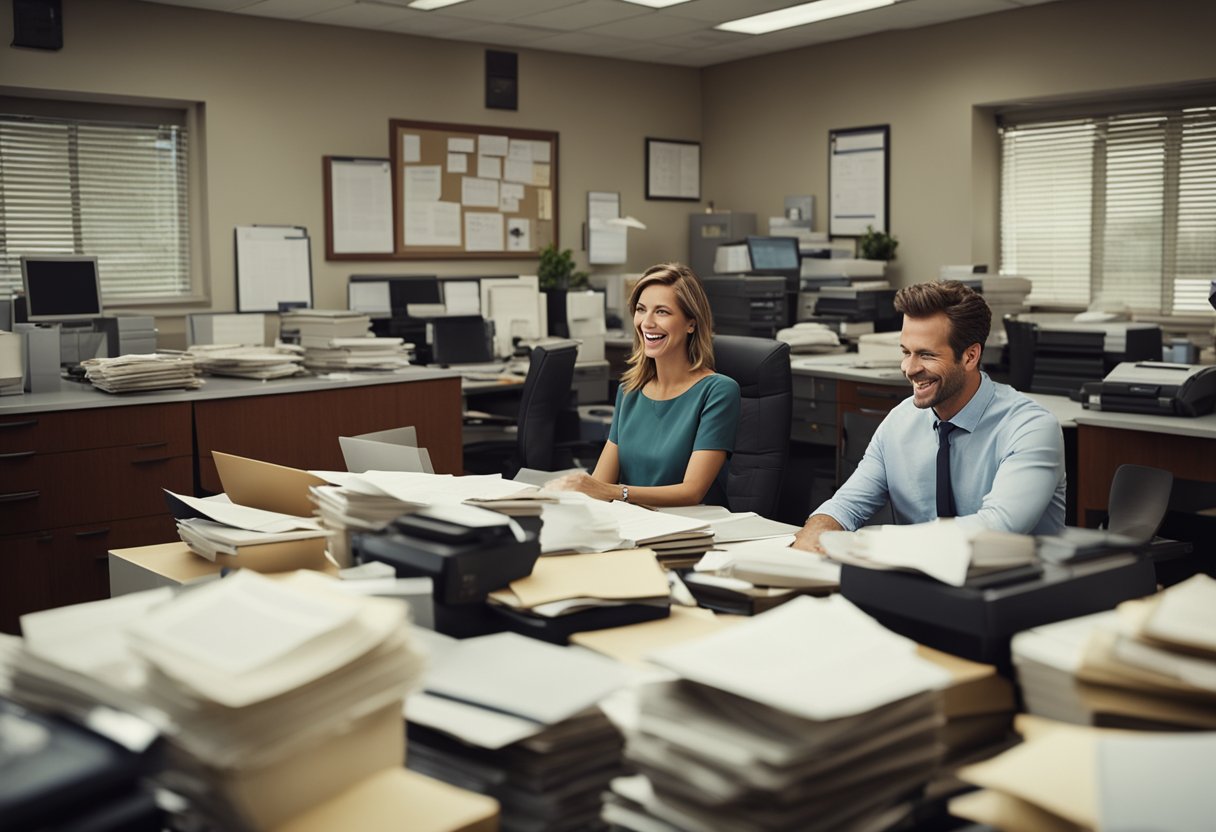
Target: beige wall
x: 766, y: 120
x: 278, y: 95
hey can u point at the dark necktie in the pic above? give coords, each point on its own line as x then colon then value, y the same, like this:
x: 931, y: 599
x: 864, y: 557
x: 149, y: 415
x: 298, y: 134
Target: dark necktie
x: 945, y: 492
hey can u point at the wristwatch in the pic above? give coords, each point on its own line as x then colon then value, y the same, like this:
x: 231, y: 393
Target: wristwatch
x: 624, y: 493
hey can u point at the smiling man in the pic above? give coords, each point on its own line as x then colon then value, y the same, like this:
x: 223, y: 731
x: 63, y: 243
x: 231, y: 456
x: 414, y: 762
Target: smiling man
x: 963, y: 445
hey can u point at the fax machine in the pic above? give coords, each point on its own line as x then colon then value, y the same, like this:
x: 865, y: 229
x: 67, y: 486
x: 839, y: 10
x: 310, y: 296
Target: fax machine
x: 1154, y: 387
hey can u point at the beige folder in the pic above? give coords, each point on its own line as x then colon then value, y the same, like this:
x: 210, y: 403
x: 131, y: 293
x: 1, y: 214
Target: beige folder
x: 631, y: 644
x: 264, y: 485
x: 974, y: 688
x: 616, y: 576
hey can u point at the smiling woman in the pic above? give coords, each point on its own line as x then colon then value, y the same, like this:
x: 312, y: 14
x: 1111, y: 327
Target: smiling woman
x: 675, y: 418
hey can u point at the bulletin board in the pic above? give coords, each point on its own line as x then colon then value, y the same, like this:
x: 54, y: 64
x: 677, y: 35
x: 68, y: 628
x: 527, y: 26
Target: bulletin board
x: 470, y: 192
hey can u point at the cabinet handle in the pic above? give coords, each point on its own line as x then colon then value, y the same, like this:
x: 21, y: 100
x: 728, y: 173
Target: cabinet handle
x: 151, y: 461
x: 145, y: 445
x: 94, y: 532
x: 28, y: 423
x: 19, y: 496
x: 18, y: 455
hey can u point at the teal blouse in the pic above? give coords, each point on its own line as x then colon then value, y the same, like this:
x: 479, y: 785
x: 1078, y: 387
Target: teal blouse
x: 655, y: 439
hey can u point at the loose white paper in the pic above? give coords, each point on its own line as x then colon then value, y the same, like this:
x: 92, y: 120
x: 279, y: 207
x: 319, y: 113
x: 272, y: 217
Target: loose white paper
x: 423, y: 183
x: 507, y: 204
x: 521, y: 150
x: 483, y: 231
x: 432, y: 224
x: 514, y: 170
x: 512, y: 190
x: 544, y: 204
x: 362, y: 206
x: 519, y: 235
x: 411, y: 148
x: 540, y: 175
x: 489, y: 167
x: 461, y: 145
x: 541, y: 151
x: 492, y: 145
x: 458, y: 163
x: 478, y: 193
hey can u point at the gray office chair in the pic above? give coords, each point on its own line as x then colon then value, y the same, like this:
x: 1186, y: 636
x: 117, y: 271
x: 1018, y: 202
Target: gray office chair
x: 1139, y: 498
x: 546, y: 394
x: 756, y: 470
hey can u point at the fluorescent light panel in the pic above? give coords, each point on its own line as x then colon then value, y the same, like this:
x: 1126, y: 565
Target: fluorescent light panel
x: 762, y: 24
x: 429, y: 5
x: 656, y: 4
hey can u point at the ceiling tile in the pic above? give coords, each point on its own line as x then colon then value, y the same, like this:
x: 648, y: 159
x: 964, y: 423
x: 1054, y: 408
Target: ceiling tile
x: 577, y: 16
x: 719, y: 11
x: 293, y: 9
x: 500, y: 11
x: 648, y: 27
x: 363, y: 15
x: 503, y: 34
x: 212, y: 5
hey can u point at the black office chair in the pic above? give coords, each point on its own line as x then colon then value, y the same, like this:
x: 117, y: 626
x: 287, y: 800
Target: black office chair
x: 546, y: 394
x: 1139, y: 498
x: 761, y: 366
x: 858, y: 431
x: 1021, y: 336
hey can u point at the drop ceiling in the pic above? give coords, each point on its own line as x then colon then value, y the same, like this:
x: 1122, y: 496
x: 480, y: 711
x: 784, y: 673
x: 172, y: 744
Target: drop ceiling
x: 682, y: 35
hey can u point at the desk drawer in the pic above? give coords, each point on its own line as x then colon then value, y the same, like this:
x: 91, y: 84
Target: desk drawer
x: 873, y: 397
x: 814, y: 433
x: 817, y: 389
x: 47, y: 491
x: 167, y: 427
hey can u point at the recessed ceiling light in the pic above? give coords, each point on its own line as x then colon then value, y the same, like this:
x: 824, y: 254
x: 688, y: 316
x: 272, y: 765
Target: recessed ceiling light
x: 428, y: 5
x: 761, y: 24
x: 656, y: 4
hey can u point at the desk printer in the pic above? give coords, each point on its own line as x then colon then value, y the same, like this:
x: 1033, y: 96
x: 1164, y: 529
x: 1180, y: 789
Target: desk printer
x: 1154, y: 387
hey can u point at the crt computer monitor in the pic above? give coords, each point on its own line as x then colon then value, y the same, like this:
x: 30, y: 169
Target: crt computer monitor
x: 460, y: 339
x: 61, y: 287
x: 774, y: 255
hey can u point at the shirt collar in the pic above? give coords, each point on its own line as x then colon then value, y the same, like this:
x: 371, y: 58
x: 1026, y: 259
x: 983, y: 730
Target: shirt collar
x: 969, y: 417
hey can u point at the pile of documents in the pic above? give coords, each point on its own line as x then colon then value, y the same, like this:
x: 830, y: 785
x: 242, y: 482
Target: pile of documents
x: 338, y: 339
x: 749, y: 577
x: 578, y: 523
x: 942, y: 549
x: 1065, y: 777
x: 811, y: 716
x: 248, y: 362
x: 978, y: 706
x: 1149, y: 664
x: 515, y: 718
x: 571, y: 594
x: 275, y: 695
x: 128, y: 373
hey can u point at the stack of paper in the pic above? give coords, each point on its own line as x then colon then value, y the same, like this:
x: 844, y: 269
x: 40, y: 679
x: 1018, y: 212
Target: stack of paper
x: 978, y: 706
x: 586, y: 592
x: 279, y: 361
x: 1069, y: 778
x: 275, y: 695
x: 127, y: 373
x: 752, y: 576
x: 324, y: 324
x: 357, y: 353
x: 515, y: 718
x: 811, y: 716
x: 238, y: 536
x: 677, y: 541
x: 1150, y: 664
x: 942, y: 549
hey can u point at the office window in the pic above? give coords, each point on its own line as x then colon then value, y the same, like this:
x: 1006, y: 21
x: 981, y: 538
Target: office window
x: 1119, y: 207
x: 115, y: 190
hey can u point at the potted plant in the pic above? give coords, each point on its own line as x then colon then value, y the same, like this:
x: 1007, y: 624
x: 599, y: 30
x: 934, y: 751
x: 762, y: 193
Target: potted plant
x: 557, y: 276
x: 876, y: 245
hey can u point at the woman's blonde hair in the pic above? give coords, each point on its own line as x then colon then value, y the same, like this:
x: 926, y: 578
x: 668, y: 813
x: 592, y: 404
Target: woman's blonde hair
x: 690, y: 295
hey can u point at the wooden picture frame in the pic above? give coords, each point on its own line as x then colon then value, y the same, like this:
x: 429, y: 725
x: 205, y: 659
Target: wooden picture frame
x: 673, y: 170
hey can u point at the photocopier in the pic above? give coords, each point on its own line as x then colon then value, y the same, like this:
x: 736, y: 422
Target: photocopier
x: 1154, y: 387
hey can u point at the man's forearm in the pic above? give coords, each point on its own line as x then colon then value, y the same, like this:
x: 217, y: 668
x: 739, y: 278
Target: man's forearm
x: 808, y: 536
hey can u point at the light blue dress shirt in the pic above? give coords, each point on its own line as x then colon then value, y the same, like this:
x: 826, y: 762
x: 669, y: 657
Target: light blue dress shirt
x: 1006, y: 465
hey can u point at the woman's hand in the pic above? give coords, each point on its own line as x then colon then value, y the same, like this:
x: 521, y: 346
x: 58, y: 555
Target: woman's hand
x: 585, y: 483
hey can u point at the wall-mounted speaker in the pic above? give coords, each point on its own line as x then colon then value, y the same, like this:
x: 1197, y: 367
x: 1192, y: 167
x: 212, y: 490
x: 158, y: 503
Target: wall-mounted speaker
x: 38, y: 24
x: 502, y: 80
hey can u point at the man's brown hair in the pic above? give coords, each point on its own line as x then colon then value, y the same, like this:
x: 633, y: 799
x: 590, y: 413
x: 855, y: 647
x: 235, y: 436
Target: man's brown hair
x: 968, y: 312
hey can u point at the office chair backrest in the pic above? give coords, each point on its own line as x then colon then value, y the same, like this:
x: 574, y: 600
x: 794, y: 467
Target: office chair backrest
x: 1139, y: 498
x: 1021, y: 336
x: 546, y: 394
x: 761, y: 366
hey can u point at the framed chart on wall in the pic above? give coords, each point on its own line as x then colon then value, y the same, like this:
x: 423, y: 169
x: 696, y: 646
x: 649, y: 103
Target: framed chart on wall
x: 673, y: 169
x: 471, y: 192
x: 859, y: 165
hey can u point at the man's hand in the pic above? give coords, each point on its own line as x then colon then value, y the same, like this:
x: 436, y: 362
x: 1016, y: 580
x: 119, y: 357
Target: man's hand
x: 807, y: 538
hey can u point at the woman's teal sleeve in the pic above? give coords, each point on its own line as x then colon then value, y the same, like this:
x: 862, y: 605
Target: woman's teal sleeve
x: 719, y: 417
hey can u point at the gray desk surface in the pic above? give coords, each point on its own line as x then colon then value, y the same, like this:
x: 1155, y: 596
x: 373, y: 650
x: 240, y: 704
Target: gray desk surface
x: 1070, y: 413
x: 76, y: 396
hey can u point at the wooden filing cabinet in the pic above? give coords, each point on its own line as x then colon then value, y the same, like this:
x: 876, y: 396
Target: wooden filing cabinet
x: 76, y: 483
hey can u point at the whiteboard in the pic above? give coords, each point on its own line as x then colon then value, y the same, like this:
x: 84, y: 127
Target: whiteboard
x: 858, y: 180
x: 361, y: 206
x: 273, y: 266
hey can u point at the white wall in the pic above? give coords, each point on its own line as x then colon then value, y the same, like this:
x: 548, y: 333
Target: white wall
x: 766, y: 120
x: 279, y: 95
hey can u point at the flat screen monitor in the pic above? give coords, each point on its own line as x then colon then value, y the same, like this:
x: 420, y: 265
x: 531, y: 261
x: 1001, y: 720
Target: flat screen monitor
x: 460, y: 339
x: 61, y: 287
x: 774, y: 255
x: 390, y: 297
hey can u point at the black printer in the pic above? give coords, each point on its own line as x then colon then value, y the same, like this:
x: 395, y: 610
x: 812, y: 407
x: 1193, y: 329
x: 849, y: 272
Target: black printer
x: 1154, y: 387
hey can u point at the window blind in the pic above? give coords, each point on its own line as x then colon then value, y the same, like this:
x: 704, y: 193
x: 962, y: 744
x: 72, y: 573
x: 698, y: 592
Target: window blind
x: 115, y: 191
x: 1118, y: 208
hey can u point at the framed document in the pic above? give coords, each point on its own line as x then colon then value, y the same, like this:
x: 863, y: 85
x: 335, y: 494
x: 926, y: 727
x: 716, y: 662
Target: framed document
x: 673, y: 169
x: 858, y: 180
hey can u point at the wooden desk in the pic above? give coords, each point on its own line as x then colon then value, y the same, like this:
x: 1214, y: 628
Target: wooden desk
x: 82, y: 471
